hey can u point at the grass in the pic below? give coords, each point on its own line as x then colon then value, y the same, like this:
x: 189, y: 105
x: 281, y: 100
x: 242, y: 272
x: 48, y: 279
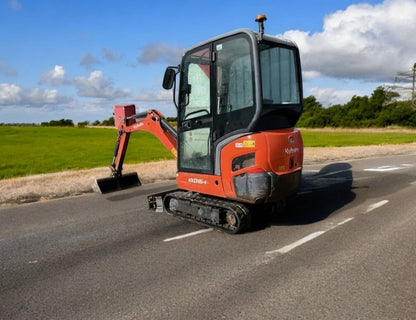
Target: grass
x: 33, y: 150
x: 316, y: 138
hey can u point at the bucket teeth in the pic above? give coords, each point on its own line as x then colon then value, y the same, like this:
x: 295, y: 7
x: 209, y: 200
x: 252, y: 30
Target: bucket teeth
x: 111, y: 184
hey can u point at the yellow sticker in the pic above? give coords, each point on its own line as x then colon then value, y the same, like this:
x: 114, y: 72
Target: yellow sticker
x: 249, y: 143
x: 174, y: 152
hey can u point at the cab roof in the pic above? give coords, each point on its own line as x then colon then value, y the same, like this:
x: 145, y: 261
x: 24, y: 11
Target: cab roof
x: 253, y: 35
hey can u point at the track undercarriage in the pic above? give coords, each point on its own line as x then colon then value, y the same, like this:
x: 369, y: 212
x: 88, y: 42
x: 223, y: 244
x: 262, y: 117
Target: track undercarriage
x: 229, y: 216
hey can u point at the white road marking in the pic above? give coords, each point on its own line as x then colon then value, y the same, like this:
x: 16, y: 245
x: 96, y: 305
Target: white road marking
x: 298, y: 243
x: 376, y: 205
x: 383, y: 169
x: 191, y: 234
x: 390, y: 168
x: 345, y: 221
x: 308, y: 238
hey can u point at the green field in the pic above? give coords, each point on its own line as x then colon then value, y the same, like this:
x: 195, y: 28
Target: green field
x: 33, y: 150
x: 335, y: 138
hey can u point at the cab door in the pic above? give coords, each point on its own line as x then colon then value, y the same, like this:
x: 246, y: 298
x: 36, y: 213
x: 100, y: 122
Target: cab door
x: 216, y: 100
x: 195, y: 114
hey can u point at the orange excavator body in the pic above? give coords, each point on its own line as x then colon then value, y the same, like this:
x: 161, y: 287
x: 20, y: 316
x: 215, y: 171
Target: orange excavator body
x: 270, y: 157
x: 239, y: 98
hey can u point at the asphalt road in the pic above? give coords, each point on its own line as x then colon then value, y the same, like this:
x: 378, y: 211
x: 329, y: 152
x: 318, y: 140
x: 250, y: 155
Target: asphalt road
x: 343, y: 249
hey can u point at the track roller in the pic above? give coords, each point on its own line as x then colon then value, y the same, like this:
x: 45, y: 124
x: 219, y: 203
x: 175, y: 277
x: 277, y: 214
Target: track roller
x: 224, y: 215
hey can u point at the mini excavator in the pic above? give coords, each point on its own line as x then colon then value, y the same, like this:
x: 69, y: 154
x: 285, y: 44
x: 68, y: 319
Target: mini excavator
x: 238, y: 99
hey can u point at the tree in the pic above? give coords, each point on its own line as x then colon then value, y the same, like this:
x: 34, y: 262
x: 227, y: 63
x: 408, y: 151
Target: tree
x: 312, y: 113
x: 83, y: 124
x: 380, y: 110
x: 58, y: 123
x: 109, y: 122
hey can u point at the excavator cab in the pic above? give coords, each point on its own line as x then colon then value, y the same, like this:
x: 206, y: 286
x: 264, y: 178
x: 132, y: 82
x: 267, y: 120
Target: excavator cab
x: 239, y: 97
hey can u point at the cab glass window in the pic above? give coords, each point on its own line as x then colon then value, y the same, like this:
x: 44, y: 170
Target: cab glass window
x: 234, y: 82
x: 195, y: 85
x: 279, y: 75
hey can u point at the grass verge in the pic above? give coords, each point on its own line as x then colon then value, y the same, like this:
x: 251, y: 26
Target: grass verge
x: 36, y: 150
x: 350, y: 138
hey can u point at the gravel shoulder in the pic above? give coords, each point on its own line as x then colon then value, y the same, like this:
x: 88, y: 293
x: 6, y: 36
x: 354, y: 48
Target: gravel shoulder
x: 70, y: 183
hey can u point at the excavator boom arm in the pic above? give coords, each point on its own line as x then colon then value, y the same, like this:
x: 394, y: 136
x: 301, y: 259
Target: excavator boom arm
x: 127, y: 121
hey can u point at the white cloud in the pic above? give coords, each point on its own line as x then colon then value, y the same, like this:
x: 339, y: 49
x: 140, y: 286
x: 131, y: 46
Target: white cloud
x: 330, y: 96
x: 12, y: 94
x: 167, y: 108
x: 309, y: 75
x: 56, y: 76
x: 9, y: 94
x: 361, y: 42
x: 38, y: 96
x: 161, y: 52
x: 97, y: 86
x: 162, y: 95
x: 93, y: 86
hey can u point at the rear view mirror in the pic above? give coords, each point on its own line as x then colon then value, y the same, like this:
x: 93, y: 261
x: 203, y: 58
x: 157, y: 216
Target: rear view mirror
x: 169, y: 78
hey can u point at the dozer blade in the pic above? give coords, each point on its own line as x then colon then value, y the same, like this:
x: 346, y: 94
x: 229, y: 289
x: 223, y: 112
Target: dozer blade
x: 111, y: 184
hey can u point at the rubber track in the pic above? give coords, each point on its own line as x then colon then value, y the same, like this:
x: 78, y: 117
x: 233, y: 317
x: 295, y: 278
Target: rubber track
x: 196, y: 199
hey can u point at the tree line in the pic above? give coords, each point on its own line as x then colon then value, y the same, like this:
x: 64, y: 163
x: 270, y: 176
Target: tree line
x: 70, y: 123
x: 381, y: 109
x: 58, y: 123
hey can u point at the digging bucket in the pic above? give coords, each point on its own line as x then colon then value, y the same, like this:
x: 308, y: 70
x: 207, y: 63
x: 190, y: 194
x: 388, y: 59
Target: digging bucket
x: 111, y: 184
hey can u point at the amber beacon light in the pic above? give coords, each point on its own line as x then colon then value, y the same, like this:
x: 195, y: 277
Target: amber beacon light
x: 260, y: 19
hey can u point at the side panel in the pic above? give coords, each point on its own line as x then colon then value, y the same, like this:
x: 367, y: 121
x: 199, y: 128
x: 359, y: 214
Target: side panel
x: 202, y: 183
x: 245, y: 145
x: 255, y: 168
x: 285, y: 150
x: 276, y: 153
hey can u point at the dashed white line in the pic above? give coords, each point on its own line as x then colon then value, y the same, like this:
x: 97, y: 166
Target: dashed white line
x: 295, y: 244
x: 298, y: 243
x: 345, y: 221
x: 390, y: 168
x: 376, y: 205
x: 191, y: 234
x: 383, y: 169
x: 308, y: 238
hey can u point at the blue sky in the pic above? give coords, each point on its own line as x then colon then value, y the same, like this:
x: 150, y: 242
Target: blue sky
x: 77, y: 59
